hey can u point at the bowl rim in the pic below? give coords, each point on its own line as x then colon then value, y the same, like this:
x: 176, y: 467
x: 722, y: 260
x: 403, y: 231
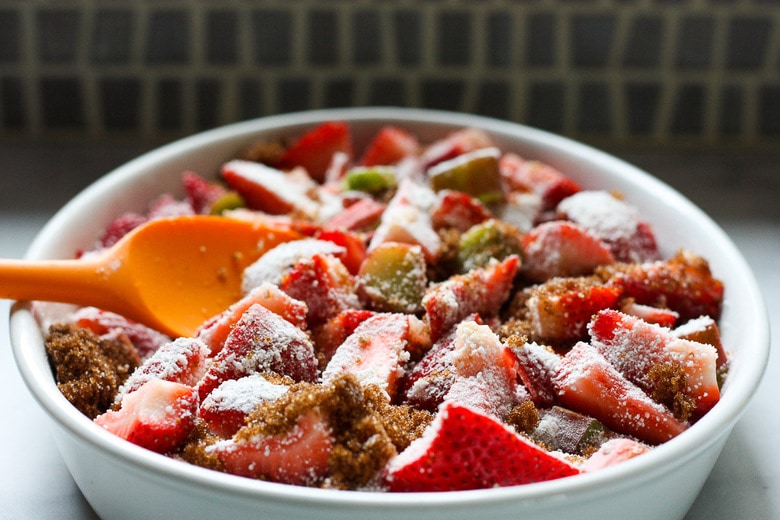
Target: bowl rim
x: 695, y: 440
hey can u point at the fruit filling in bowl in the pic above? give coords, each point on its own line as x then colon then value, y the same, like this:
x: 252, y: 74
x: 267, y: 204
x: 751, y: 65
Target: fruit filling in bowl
x: 449, y: 316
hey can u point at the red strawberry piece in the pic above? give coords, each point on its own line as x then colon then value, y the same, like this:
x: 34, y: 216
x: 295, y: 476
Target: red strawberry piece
x: 298, y: 456
x: 261, y: 341
x: 537, y: 177
x: 277, y: 262
x: 465, y: 449
x: 166, y: 206
x: 455, y: 209
x: 119, y: 227
x: 183, y: 360
x: 200, y: 193
x: 270, y: 190
x: 332, y: 333
x: 612, y: 452
x: 561, y: 308
x: 536, y: 366
x: 587, y: 383
x: 216, y: 330
x: 704, y: 330
x: 684, y: 283
x: 484, y: 374
x: 324, y: 285
x: 389, y: 146
x: 656, y: 315
x: 158, y: 416
x: 225, y: 409
x: 428, y: 381
x: 481, y: 291
x: 615, y: 222
x: 314, y: 149
x: 145, y: 340
x: 561, y: 248
x: 469, y: 365
x: 455, y: 144
x: 375, y: 353
x: 362, y: 215
x: 635, y: 347
x: 353, y: 244
x: 407, y: 219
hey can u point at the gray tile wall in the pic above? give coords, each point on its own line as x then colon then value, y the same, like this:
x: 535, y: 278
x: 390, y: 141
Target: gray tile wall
x: 701, y: 72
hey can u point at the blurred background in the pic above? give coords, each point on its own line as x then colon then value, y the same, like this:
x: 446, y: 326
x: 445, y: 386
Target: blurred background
x: 650, y: 80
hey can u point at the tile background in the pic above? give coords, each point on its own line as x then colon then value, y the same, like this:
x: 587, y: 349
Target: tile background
x: 639, y: 72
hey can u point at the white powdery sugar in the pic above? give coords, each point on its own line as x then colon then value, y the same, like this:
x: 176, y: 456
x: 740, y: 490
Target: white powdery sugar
x: 171, y: 362
x: 272, y: 266
x: 407, y: 219
x: 521, y: 210
x: 243, y: 394
x: 598, y: 211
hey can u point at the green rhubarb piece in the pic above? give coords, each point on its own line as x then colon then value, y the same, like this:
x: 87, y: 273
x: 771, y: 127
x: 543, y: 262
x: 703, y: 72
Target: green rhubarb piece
x: 392, y: 278
x: 230, y: 200
x: 373, y: 180
x: 475, y: 173
x: 568, y: 431
x: 485, y: 241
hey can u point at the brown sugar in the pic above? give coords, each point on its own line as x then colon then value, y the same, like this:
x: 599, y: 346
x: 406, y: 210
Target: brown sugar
x: 670, y: 382
x: 524, y: 417
x: 89, y: 369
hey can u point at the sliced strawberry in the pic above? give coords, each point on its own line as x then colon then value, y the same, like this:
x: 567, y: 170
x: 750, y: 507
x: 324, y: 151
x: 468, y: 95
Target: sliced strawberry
x: 561, y: 248
x: 657, y: 361
x: 353, y: 244
x: 536, y: 366
x: 484, y: 373
x: 407, y: 219
x: 270, y: 190
x: 314, y: 149
x: 464, y: 449
x: 201, y: 194
x: 332, y: 333
x: 659, y: 316
x: 389, y: 146
x: 225, y: 409
x: 587, y: 383
x: 166, y: 206
x: 455, y: 209
x: 104, y: 323
x: 482, y: 291
x: 612, y: 452
x: 119, y: 227
x: 615, y: 222
x: 375, y: 353
x: 561, y: 308
x: 261, y: 341
x: 215, y: 331
x: 704, y: 330
x: 324, y: 285
x: 183, y: 360
x: 537, y: 177
x: 298, y: 456
x: 158, y: 416
x: 277, y: 262
x: 362, y: 215
x: 426, y: 384
x: 455, y: 144
x: 683, y: 283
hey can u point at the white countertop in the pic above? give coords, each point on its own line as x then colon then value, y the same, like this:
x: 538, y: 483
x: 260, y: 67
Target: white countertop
x: 745, y: 483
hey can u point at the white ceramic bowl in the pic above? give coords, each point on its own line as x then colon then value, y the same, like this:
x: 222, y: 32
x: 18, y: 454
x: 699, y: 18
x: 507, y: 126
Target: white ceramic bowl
x: 121, y: 480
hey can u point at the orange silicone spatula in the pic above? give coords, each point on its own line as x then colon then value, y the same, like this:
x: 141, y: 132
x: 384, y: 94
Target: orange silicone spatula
x: 171, y: 274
